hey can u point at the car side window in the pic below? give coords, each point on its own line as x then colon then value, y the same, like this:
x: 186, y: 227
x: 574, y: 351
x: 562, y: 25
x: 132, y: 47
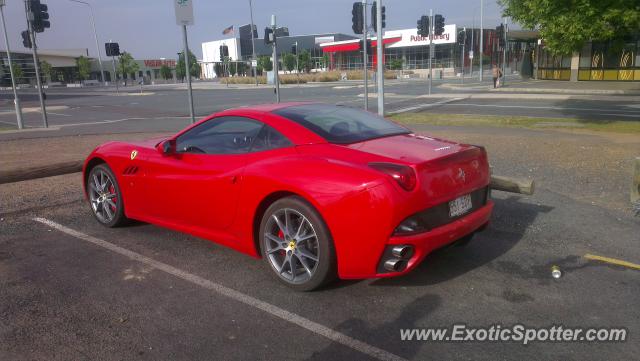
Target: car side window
x: 222, y: 135
x: 269, y: 138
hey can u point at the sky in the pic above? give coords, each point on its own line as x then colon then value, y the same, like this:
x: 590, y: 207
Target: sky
x: 147, y: 28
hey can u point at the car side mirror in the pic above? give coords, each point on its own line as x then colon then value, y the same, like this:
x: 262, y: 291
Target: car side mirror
x: 167, y: 147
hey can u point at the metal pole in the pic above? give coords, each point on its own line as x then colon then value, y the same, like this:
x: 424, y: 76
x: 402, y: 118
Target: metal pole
x: 95, y: 36
x: 16, y: 100
x: 276, y: 76
x: 297, y: 65
x: 253, y: 44
x: 472, y: 41
x: 365, y: 55
x: 36, y: 64
x: 188, y: 73
x: 431, y: 28
x: 380, y: 56
x: 504, y: 54
x: 464, y: 39
x: 481, y: 35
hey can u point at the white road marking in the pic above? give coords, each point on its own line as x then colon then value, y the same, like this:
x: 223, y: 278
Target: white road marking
x: 424, y: 106
x: 118, y: 120
x: 275, y: 311
x: 547, y: 107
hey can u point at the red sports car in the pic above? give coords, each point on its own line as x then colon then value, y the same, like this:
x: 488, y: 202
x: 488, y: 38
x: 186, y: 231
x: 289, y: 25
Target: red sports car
x: 318, y: 191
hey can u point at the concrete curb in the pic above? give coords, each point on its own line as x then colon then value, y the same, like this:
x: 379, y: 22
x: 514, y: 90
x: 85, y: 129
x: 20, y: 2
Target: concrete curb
x: 509, y: 89
x: 50, y: 170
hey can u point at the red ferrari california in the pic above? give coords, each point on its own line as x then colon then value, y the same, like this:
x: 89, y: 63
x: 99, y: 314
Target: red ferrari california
x: 317, y: 191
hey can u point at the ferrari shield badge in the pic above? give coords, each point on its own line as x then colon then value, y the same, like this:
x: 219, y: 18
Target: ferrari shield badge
x: 134, y: 153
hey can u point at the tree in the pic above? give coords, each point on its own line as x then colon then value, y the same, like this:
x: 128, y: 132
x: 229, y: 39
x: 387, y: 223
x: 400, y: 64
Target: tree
x: 194, y: 68
x: 47, y: 70
x: 264, y: 64
x: 289, y: 61
x: 18, y: 73
x: 84, y: 67
x: 304, y: 61
x: 165, y: 72
x: 126, y: 65
x: 396, y: 64
x: 325, y: 61
x: 566, y: 25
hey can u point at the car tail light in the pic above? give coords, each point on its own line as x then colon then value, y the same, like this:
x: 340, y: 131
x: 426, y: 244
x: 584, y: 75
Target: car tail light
x: 404, y: 175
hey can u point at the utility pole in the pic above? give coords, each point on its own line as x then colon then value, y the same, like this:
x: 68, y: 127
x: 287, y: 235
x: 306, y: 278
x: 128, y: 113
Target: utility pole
x: 365, y: 55
x: 276, y: 77
x: 187, y: 72
x: 254, y: 60
x: 380, y: 56
x: 481, y: 36
x: 16, y: 100
x: 36, y: 62
x: 297, y: 64
x: 431, y: 27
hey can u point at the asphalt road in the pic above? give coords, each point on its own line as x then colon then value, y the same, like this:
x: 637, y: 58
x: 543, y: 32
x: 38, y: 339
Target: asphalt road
x: 162, y: 109
x: 75, y: 290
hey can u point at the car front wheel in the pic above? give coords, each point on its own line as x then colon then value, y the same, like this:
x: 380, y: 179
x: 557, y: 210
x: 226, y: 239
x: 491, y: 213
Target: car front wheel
x: 105, y: 196
x: 296, y: 244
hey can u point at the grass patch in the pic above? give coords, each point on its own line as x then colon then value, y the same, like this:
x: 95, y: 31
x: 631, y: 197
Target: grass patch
x: 615, y: 126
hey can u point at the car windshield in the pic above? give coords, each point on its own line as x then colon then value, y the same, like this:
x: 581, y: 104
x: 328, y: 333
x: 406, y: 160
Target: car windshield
x: 339, y: 124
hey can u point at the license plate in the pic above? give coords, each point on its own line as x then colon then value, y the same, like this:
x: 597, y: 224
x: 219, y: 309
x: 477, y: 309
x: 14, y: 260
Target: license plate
x: 460, y: 206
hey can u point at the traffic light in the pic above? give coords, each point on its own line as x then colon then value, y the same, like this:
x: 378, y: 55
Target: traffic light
x: 438, y: 24
x: 112, y: 49
x: 294, y: 49
x: 462, y: 37
x: 357, y: 18
x: 423, y: 26
x: 374, y: 16
x: 269, y: 36
x: 40, y: 16
x: 500, y: 34
x: 26, y: 39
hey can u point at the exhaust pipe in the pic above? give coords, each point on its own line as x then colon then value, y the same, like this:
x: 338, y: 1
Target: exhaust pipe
x: 402, y: 251
x: 394, y: 265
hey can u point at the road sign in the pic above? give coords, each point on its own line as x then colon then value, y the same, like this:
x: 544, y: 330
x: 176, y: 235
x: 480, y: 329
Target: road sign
x: 254, y: 63
x: 471, y: 54
x: 184, y: 12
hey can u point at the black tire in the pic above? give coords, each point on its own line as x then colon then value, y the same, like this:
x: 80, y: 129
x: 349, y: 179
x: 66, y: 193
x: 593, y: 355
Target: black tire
x: 325, y: 268
x: 118, y: 218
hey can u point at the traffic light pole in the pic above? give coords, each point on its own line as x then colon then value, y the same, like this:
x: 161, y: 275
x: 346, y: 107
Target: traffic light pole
x: 431, y: 27
x: 36, y: 64
x: 365, y: 55
x: 380, y: 57
x: 16, y: 100
x: 276, y: 77
x: 188, y: 73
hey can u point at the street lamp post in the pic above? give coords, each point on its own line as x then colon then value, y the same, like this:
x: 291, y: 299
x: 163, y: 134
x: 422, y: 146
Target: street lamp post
x: 95, y: 37
x: 16, y: 100
x: 481, y: 35
x: 253, y: 45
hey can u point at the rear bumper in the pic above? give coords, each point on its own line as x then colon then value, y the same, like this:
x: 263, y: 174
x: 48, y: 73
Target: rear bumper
x: 425, y: 243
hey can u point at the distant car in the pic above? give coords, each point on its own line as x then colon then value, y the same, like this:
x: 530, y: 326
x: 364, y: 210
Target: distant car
x: 318, y: 191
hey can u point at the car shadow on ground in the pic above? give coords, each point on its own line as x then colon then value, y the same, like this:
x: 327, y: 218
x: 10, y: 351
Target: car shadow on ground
x: 512, y: 216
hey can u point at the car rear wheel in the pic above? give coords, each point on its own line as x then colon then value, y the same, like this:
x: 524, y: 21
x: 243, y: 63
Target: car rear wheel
x: 296, y: 245
x: 105, y: 196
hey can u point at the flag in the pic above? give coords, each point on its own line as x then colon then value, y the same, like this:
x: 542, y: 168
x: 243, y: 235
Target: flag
x: 228, y: 30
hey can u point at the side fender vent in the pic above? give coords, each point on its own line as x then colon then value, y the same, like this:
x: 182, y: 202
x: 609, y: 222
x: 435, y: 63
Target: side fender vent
x: 130, y: 170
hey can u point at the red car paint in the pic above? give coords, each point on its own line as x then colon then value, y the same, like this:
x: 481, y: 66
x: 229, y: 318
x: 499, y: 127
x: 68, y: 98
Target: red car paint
x: 218, y: 197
